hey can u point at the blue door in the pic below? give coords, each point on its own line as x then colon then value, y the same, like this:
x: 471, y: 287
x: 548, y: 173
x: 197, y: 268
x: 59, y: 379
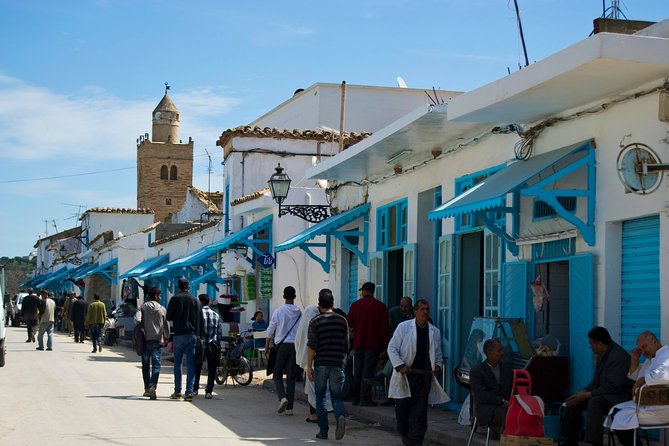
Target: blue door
x: 352, y: 280
x: 581, y: 320
x: 640, y: 282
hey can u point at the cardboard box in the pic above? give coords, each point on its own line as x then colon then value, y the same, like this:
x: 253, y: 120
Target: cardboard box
x: 512, y: 440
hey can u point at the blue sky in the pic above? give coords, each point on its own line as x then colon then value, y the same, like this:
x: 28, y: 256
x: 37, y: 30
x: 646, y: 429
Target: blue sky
x: 79, y: 78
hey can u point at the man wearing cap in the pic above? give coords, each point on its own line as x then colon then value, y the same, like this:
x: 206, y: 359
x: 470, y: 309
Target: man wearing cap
x: 29, y: 310
x: 369, y: 323
x: 46, y: 322
x: 282, y: 330
x: 183, y: 311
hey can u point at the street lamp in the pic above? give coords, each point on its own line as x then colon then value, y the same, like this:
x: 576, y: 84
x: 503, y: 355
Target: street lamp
x: 62, y: 251
x: 279, y: 185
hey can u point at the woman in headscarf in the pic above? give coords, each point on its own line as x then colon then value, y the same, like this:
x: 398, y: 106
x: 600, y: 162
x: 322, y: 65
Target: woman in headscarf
x: 301, y: 358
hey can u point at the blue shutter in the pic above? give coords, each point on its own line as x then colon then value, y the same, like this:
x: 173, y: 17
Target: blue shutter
x: 581, y: 320
x: 352, y: 280
x: 516, y: 284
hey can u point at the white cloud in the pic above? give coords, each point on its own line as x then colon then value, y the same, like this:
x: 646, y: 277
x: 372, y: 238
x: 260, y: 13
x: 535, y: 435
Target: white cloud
x: 38, y: 124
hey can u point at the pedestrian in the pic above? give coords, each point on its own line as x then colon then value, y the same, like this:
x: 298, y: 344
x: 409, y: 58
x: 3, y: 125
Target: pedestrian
x: 368, y: 320
x: 211, y: 335
x: 78, y: 309
x: 415, y: 352
x: 609, y: 386
x: 95, y: 320
x: 282, y: 330
x: 29, y: 310
x: 327, y: 348
x: 491, y: 382
x: 46, y: 321
x: 183, y: 311
x: 67, y: 313
x: 153, y: 318
x: 402, y: 312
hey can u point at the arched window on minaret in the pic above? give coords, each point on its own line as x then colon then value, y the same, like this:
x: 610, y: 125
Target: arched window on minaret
x: 163, y: 172
x: 173, y: 173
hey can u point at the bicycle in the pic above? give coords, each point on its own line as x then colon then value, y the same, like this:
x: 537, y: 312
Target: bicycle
x: 232, y: 363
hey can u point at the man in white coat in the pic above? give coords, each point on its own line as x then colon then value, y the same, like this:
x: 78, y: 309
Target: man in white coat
x: 415, y: 352
x: 653, y: 371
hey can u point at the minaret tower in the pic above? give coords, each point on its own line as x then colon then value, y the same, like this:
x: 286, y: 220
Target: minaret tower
x: 164, y: 163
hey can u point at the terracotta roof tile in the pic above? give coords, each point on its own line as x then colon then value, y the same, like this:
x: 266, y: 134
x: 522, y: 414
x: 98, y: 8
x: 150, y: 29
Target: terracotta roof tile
x: 117, y: 211
x: 249, y: 197
x: 185, y: 232
x: 316, y: 135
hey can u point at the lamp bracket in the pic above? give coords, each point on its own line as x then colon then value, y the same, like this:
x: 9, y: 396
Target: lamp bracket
x: 311, y: 213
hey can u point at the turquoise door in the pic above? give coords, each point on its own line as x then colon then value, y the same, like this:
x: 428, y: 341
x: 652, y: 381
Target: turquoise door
x: 352, y: 280
x: 581, y: 320
x: 640, y: 282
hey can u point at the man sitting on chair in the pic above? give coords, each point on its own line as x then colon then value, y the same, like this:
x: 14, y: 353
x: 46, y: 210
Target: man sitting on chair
x: 490, y: 383
x: 653, y: 371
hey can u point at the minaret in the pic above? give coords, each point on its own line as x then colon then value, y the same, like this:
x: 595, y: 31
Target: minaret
x: 164, y: 164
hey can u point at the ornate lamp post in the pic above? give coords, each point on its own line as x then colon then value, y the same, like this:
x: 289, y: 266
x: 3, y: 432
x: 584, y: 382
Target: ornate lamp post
x: 279, y: 185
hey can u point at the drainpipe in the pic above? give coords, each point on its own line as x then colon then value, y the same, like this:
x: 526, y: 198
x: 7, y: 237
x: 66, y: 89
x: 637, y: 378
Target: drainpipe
x: 341, y: 116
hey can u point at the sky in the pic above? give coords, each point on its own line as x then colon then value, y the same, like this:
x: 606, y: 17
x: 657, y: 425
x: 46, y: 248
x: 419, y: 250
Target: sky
x: 80, y: 78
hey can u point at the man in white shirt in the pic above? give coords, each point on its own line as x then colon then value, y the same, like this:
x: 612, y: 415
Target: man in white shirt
x: 282, y: 329
x: 654, y: 370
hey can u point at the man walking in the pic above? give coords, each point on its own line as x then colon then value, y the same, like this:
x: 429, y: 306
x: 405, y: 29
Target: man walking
x: 78, y: 309
x: 368, y: 319
x: 95, y: 320
x: 184, y: 312
x: 282, y: 329
x: 327, y: 347
x: 46, y: 322
x: 153, y: 317
x: 415, y: 352
x: 212, y: 332
x: 29, y: 309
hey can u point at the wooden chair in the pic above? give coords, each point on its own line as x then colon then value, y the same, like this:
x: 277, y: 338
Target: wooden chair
x: 651, y: 396
x: 259, y: 352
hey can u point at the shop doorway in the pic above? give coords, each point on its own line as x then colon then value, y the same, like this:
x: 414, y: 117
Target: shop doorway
x: 470, y: 295
x: 395, y: 271
x: 553, y: 317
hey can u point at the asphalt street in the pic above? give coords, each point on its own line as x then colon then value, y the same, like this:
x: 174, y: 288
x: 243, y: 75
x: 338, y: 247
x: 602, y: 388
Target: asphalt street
x: 71, y: 396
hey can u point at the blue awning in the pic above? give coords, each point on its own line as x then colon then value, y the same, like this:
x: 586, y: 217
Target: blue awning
x: 51, y: 278
x: 35, y: 279
x: 490, y: 193
x: 243, y: 237
x: 145, y: 266
x: 194, y: 258
x: 156, y: 272
x: 80, y: 272
x: 107, y: 270
x: 329, y: 227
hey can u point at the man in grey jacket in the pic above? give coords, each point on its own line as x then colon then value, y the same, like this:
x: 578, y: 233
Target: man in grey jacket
x: 153, y: 316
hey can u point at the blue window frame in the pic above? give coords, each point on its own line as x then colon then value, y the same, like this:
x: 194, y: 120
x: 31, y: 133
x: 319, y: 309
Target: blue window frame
x: 391, y: 225
x: 542, y: 210
x: 468, y: 222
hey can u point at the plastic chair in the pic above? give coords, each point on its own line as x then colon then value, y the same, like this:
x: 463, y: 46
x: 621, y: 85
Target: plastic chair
x: 475, y: 423
x: 260, y: 352
x: 654, y: 396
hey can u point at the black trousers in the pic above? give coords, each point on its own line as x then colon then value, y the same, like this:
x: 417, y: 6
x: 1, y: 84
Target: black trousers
x: 285, y: 362
x: 31, y: 324
x: 411, y: 413
x: 597, y: 408
x: 364, y: 367
x: 213, y: 357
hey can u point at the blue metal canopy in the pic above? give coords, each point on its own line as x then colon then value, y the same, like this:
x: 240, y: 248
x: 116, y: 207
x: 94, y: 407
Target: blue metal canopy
x: 51, y: 278
x: 80, y: 272
x: 244, y: 237
x: 35, y: 279
x: 522, y: 177
x: 329, y: 227
x: 107, y: 270
x: 145, y: 265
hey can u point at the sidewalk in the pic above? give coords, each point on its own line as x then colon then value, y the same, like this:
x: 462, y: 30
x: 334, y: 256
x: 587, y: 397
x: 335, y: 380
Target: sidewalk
x: 443, y: 427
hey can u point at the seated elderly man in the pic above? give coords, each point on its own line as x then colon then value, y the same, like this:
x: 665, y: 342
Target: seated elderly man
x: 653, y: 371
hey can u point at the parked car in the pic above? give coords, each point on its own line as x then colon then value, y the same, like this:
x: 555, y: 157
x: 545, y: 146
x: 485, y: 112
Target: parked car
x: 3, y: 332
x: 18, y: 318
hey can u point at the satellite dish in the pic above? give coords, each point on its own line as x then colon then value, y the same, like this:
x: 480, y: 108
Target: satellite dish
x: 401, y: 83
x: 640, y: 169
x: 323, y: 184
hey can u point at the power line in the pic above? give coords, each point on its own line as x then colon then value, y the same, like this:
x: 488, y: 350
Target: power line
x: 25, y: 180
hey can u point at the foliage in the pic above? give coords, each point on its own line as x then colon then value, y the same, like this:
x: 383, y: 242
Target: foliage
x: 17, y: 271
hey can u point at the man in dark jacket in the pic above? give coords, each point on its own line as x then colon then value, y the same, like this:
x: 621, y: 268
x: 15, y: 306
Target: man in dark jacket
x: 490, y: 383
x: 183, y: 311
x: 79, y: 307
x: 29, y: 308
x: 608, y: 387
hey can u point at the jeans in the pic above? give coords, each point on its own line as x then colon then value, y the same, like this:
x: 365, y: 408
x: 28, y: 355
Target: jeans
x: 45, y: 327
x: 334, y: 376
x: 184, y: 344
x: 285, y: 361
x: 151, y: 360
x: 96, y: 335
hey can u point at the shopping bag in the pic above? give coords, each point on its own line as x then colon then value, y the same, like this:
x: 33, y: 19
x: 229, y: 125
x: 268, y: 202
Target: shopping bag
x: 271, y: 360
x: 138, y: 341
x: 525, y: 416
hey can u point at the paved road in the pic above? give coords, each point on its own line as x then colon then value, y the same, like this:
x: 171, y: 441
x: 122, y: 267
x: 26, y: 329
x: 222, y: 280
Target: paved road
x: 71, y: 396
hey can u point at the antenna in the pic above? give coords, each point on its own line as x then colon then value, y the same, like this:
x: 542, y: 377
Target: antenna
x: 79, y: 208
x: 46, y: 227
x: 520, y: 29
x: 614, y: 11
x: 54, y: 226
x: 209, y: 175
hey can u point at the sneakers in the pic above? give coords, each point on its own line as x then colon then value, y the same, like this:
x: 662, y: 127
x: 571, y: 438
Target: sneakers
x: 39, y: 348
x: 188, y: 397
x: 94, y: 351
x: 49, y: 349
x: 208, y: 396
x: 341, y: 428
x: 288, y: 412
x: 152, y: 393
x: 282, y: 405
x: 175, y: 396
x: 322, y: 435
x: 146, y: 393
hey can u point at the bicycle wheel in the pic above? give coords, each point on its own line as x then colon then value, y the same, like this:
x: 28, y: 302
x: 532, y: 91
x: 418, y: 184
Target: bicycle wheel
x: 222, y: 372
x: 243, y: 374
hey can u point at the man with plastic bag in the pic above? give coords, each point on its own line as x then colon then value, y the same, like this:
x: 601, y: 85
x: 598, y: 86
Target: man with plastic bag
x: 415, y: 352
